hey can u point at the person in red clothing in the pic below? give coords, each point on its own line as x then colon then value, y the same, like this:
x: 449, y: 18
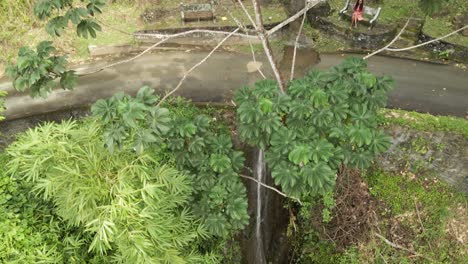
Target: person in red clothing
x: 357, y: 14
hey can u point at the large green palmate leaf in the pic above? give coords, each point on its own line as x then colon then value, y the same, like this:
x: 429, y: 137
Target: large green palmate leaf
x: 56, y: 25
x: 300, y: 155
x: 159, y: 120
x: 379, y: 143
x: 219, y: 162
x: 319, y: 177
x: 75, y: 14
x: 88, y: 27
x: 322, y: 150
x: 95, y: 7
x: 283, y: 141
x: 359, y: 135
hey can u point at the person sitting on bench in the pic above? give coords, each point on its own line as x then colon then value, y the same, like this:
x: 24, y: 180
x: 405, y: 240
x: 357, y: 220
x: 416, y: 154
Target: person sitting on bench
x: 357, y: 13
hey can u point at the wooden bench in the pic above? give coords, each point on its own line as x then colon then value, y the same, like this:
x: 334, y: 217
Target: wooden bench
x: 196, y: 12
x: 370, y: 14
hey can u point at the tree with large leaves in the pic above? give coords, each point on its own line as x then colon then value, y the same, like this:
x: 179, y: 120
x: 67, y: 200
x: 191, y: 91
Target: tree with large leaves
x: 324, y: 121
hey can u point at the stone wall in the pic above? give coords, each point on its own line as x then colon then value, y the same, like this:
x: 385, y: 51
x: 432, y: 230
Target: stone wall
x: 370, y: 39
x: 440, y: 154
x: 455, y: 52
x: 205, y: 38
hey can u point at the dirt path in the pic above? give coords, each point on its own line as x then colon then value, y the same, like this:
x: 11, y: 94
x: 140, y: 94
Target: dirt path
x: 419, y: 86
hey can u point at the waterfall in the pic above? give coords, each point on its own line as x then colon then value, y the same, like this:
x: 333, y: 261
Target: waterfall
x: 260, y: 175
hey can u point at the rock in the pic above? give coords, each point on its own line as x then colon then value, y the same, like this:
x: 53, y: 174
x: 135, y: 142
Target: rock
x: 253, y: 66
x: 459, y: 22
x: 322, y: 9
x: 153, y: 15
x: 443, y: 154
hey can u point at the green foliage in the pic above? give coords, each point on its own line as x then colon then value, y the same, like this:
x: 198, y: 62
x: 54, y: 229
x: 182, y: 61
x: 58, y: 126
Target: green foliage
x: 30, y: 231
x: 80, y: 16
x: 429, y: 7
x: 2, y: 104
x: 133, y: 210
x: 220, y: 197
x: 418, y: 201
x: 329, y: 203
x: 135, y: 120
x: 424, y: 122
x: 324, y: 120
x: 37, y: 70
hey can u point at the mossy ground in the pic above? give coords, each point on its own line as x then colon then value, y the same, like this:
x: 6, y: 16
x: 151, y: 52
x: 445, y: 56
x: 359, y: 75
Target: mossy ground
x: 411, y: 208
x: 417, y: 213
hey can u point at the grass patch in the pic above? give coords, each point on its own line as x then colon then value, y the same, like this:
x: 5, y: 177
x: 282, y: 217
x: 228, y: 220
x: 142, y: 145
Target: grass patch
x: 324, y: 43
x: 272, y: 13
x: 28, y: 30
x: 417, y: 213
x: 392, y: 10
x: 424, y: 122
x: 441, y: 26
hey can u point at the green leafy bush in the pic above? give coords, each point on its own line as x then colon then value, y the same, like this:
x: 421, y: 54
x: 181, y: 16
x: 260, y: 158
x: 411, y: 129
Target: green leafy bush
x: 323, y: 121
x: 30, y: 231
x: 133, y: 209
x: 36, y: 70
x: 135, y: 120
x: 205, y: 153
x: 219, y: 195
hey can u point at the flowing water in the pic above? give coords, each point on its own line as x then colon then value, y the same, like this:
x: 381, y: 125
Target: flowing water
x: 260, y: 175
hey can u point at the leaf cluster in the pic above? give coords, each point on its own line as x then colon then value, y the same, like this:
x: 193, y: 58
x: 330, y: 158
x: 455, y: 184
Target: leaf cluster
x: 197, y: 147
x: 323, y: 121
x: 132, y: 209
x: 133, y: 120
x: 65, y: 11
x: 30, y: 231
x: 219, y: 196
x: 37, y: 70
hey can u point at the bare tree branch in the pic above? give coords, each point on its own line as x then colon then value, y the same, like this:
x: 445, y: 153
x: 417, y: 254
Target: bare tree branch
x: 309, y: 5
x: 271, y: 188
x: 247, y: 14
x: 390, y: 243
x: 164, y: 38
x: 296, y: 44
x: 244, y: 28
x: 195, y: 66
x: 266, y: 45
x: 430, y: 41
x: 213, y: 32
x: 389, y: 44
x: 255, y: 60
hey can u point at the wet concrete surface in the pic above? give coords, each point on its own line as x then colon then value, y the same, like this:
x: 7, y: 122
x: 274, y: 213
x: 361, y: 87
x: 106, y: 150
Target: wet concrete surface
x: 423, y: 87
